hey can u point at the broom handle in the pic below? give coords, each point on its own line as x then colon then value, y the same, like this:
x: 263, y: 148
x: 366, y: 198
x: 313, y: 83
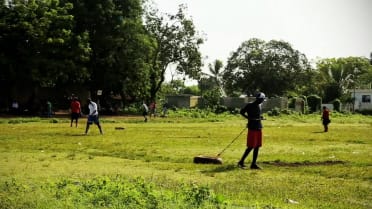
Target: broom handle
x: 230, y: 143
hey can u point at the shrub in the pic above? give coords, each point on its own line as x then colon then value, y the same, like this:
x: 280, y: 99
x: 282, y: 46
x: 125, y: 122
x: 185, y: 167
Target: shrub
x: 107, y: 192
x: 337, y: 105
x: 235, y: 111
x: 274, y: 112
x: 220, y: 109
x: 287, y: 112
x: 292, y: 102
x: 132, y: 109
x: 364, y: 112
x: 314, y: 102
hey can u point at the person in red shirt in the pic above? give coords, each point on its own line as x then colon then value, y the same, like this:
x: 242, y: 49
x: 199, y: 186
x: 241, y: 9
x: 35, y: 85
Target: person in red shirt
x: 75, y: 111
x: 152, y: 109
x: 325, y: 118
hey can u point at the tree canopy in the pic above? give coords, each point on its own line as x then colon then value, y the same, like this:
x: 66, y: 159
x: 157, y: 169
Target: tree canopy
x: 273, y: 67
x: 38, y: 45
x: 126, y: 47
x: 176, y: 42
x: 339, y: 75
x: 120, y: 47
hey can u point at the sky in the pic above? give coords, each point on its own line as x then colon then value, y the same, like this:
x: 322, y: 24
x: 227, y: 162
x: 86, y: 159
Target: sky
x: 317, y: 28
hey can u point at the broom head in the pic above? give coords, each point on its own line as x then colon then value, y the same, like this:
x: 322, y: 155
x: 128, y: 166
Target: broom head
x: 207, y: 160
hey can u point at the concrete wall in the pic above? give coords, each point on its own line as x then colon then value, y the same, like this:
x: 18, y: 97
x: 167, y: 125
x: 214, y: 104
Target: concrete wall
x: 270, y: 103
x: 189, y: 101
x: 234, y: 102
x: 182, y: 101
x: 363, y: 99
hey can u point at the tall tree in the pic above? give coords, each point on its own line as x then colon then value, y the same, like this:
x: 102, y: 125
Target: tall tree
x: 37, y: 45
x: 216, y: 70
x: 273, y: 67
x: 341, y: 74
x: 175, y: 42
x: 119, y: 45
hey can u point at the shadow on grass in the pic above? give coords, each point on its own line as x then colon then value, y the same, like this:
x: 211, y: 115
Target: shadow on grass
x: 318, y: 132
x: 222, y: 168
x: 304, y: 163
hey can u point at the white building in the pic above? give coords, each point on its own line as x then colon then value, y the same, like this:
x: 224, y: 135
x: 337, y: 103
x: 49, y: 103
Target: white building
x: 363, y: 99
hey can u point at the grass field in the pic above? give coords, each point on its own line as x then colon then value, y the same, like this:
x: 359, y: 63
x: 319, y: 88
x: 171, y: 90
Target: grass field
x: 46, y: 164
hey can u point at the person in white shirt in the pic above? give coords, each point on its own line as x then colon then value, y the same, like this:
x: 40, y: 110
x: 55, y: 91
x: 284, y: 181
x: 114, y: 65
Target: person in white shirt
x: 145, y: 111
x: 93, y: 116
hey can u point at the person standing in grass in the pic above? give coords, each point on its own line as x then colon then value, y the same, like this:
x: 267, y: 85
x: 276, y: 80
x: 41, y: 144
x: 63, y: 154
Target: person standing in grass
x: 49, y: 109
x: 252, y: 112
x: 325, y: 118
x: 75, y: 111
x: 93, y: 116
x: 145, y: 110
x: 152, y: 109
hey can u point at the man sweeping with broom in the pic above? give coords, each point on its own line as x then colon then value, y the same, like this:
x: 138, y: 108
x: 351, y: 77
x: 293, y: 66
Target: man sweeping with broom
x: 252, y: 111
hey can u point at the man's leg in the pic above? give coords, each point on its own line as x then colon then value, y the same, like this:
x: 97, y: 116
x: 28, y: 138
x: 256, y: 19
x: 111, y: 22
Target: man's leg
x: 245, y: 154
x: 87, y: 128
x: 100, y: 128
x: 255, y: 155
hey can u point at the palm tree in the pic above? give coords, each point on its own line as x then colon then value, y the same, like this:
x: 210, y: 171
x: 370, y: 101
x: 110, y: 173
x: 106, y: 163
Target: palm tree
x: 215, y: 70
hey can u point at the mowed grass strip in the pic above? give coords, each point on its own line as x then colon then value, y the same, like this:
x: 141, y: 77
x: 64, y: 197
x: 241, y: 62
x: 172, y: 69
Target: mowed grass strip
x: 302, y: 166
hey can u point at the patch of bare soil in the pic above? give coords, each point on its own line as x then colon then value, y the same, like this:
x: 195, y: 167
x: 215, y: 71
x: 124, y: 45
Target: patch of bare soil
x: 304, y: 163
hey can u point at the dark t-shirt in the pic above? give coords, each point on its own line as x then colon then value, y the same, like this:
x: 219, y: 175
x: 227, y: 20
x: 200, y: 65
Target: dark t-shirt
x: 253, y: 111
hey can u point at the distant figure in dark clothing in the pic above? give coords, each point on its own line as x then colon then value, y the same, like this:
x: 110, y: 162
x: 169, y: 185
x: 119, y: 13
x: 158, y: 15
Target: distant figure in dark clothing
x: 152, y: 109
x: 165, y: 109
x: 325, y: 118
x: 252, y: 112
x: 49, y: 109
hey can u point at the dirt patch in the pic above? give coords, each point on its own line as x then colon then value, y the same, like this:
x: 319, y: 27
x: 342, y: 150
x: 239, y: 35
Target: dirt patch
x: 304, y: 163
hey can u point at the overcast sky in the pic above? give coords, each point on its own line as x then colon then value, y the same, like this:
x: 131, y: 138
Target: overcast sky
x: 317, y: 28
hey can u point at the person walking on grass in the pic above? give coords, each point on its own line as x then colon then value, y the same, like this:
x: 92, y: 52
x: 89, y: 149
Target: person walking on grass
x: 252, y: 112
x: 93, y: 116
x: 75, y: 111
x: 325, y: 118
x: 145, y: 110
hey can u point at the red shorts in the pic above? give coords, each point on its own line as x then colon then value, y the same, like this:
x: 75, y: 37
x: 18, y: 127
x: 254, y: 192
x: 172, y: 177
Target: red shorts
x: 254, y: 138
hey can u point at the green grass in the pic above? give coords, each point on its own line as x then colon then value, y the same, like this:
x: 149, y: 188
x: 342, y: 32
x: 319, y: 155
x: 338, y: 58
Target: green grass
x: 46, y: 164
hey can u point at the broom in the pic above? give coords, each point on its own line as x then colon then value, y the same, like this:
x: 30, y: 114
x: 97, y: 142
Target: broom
x: 217, y: 159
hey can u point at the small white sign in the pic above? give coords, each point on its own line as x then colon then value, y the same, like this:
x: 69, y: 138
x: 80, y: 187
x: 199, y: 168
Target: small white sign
x: 99, y: 92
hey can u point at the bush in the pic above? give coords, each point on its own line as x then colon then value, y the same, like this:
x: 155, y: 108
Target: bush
x: 292, y: 102
x: 337, y: 105
x: 274, y: 112
x: 107, y: 192
x: 132, y: 109
x: 364, y: 112
x: 235, y: 111
x: 314, y: 102
x: 220, y: 109
x: 287, y: 112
